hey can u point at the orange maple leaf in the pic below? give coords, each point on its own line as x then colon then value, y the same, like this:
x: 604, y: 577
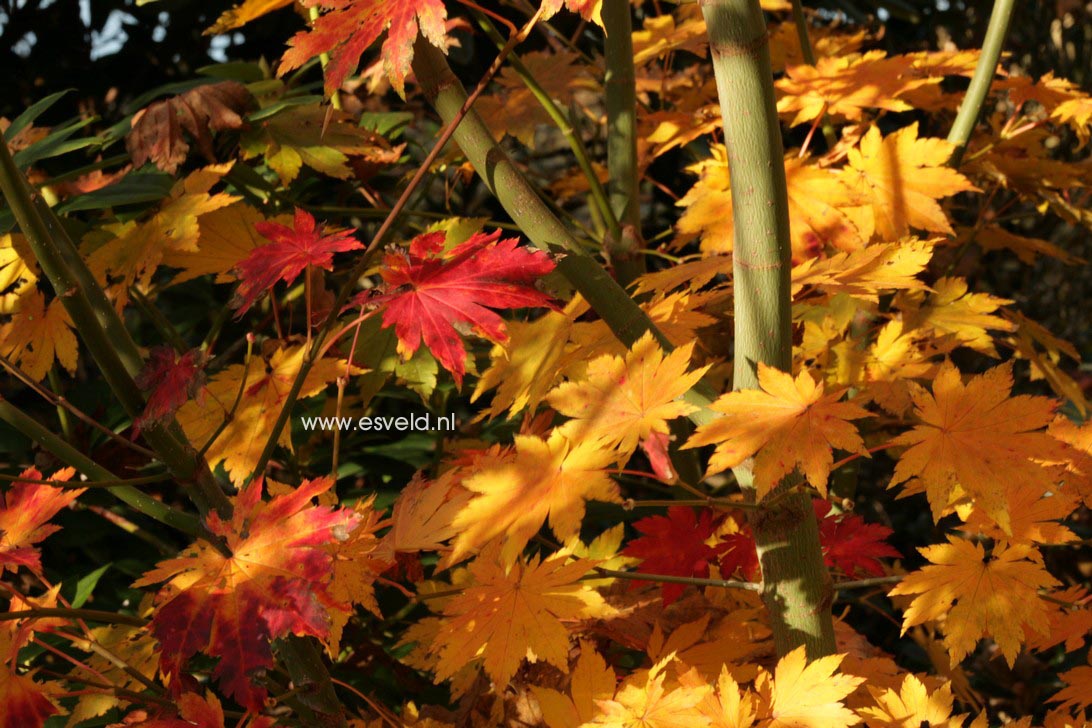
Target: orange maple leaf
x: 975, y: 439
x: 543, y: 478
x: 902, y: 177
x: 788, y: 423
x: 508, y: 614
x: 273, y: 581
x: 25, y: 511
x: 624, y: 401
x: 348, y: 27
x: 993, y: 597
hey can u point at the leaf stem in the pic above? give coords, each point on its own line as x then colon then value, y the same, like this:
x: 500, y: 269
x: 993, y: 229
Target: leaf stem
x: 984, y: 71
x: 672, y: 579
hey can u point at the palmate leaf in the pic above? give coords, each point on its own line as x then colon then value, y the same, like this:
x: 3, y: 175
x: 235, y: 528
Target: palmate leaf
x: 275, y: 582
x: 25, y: 511
x: 428, y: 291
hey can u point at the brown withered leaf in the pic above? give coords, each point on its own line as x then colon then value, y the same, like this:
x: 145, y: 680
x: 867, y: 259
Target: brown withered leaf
x: 156, y: 133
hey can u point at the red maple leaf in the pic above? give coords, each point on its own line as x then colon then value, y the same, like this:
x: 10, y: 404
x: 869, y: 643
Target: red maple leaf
x: 737, y: 552
x: 849, y: 543
x: 25, y: 511
x: 289, y: 253
x: 348, y: 27
x: 428, y: 292
x: 674, y: 545
x: 170, y: 380
x: 274, y: 583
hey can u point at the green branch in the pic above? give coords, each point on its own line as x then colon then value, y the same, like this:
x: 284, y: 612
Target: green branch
x: 621, y: 101
x: 102, y: 330
x: 984, y: 72
x: 796, y: 584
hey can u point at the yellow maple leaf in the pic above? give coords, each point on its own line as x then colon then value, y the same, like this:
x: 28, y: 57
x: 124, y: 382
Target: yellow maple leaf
x: 846, y: 85
x: 993, y: 597
x: 866, y: 272
x: 789, y: 423
x: 913, y: 704
x: 624, y: 401
x: 358, y: 560
x: 508, y: 614
x: 543, y: 478
x: 132, y: 256
x: 977, y: 439
x: 729, y: 706
x: 243, y: 13
x: 815, y: 196
x: 901, y: 177
x: 18, y: 270
x: 265, y: 389
x: 421, y: 519
x: 800, y: 694
x: 227, y: 237
x: 590, y: 680
x: 950, y: 309
x: 644, y: 702
x: 37, y: 335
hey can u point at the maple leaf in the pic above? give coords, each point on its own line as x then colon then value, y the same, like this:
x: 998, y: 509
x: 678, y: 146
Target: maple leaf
x: 194, y: 712
x: 38, y: 335
x: 423, y: 516
x: 156, y: 133
x: 136, y: 250
x: 428, y: 291
x: 1077, y: 692
x: 509, y: 614
x: 844, y: 86
x: 25, y: 511
x: 729, y: 707
x: 950, y: 309
x: 170, y: 381
x: 265, y: 389
x: 243, y: 13
x: 625, y: 401
x: 590, y: 680
x: 912, y: 704
x: 275, y: 582
x: 815, y: 198
x: 349, y: 27
x: 674, y: 545
x: 993, y: 597
x: 902, y: 177
x: 800, y: 694
x: 643, y: 702
x: 866, y: 272
x: 543, y: 478
x: 358, y: 560
x: 290, y: 251
x: 23, y: 702
x: 849, y: 543
x: 976, y: 438
x: 227, y: 237
x: 513, y: 109
x: 788, y: 423
x: 326, y: 140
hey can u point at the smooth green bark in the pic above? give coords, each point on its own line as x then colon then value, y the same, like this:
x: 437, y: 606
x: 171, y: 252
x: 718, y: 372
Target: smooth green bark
x: 796, y: 584
x: 984, y: 72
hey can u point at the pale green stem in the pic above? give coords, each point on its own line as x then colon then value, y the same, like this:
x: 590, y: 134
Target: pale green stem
x: 797, y: 588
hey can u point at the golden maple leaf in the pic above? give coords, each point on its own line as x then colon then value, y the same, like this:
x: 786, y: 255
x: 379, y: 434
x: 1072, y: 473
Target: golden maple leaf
x: 590, y: 680
x: 816, y: 197
x: 912, y: 704
x: 421, y: 519
x: 264, y: 391
x: 800, y: 694
x: 227, y: 237
x: 993, y: 597
x: 975, y: 439
x: 789, y: 423
x: 866, y: 272
x: 624, y: 401
x: 643, y: 701
x: 901, y: 177
x: 132, y: 256
x: 508, y: 614
x: 37, y: 335
x: 950, y: 309
x: 543, y: 478
x: 844, y: 86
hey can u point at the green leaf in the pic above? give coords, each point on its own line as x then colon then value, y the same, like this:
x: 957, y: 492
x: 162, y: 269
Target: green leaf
x: 134, y: 188
x: 86, y: 585
x: 36, y: 109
